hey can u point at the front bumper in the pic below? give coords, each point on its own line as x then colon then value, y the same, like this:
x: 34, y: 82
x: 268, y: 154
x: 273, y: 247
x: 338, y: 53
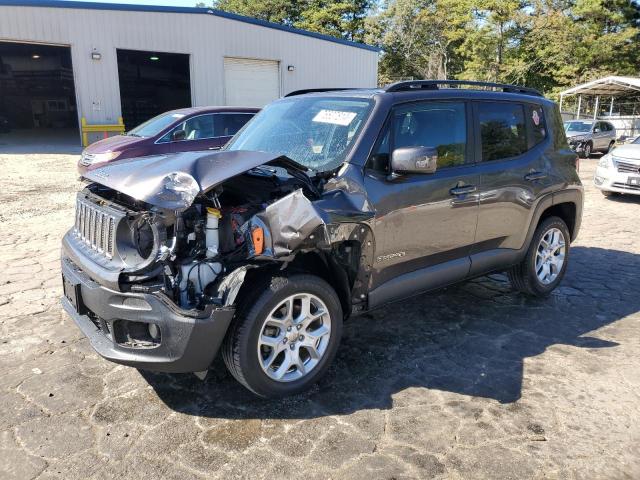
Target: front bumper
x: 187, y: 341
x: 577, y: 145
x: 610, y: 180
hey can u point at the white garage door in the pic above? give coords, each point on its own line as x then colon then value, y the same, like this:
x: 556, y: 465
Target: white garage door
x: 251, y: 83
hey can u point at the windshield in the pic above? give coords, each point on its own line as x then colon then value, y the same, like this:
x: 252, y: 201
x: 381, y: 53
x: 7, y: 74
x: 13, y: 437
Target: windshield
x: 636, y: 141
x: 152, y: 127
x: 316, y: 132
x: 577, y: 126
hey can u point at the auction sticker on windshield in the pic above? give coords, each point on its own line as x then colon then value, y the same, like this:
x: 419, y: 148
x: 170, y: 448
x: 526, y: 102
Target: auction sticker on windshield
x: 334, y: 117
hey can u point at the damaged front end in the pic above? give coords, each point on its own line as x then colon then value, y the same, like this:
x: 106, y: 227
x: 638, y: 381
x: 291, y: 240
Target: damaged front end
x: 161, y: 247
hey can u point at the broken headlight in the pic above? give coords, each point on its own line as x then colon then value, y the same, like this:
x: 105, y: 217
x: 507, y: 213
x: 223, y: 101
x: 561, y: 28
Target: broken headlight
x: 181, y: 187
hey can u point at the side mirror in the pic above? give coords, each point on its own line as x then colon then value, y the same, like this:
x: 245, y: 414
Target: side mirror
x: 414, y: 160
x: 178, y: 135
x: 596, y: 130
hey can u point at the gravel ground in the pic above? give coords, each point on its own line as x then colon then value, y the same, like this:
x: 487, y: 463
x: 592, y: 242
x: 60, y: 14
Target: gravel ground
x: 472, y: 382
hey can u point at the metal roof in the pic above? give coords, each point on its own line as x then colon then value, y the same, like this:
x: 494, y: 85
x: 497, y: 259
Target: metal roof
x: 190, y: 10
x: 612, y: 85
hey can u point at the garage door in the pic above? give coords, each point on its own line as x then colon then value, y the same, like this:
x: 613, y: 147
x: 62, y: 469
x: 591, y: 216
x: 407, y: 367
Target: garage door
x: 251, y: 83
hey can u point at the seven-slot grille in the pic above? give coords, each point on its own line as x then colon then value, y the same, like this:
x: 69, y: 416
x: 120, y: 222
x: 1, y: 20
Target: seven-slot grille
x: 626, y: 167
x: 95, y: 226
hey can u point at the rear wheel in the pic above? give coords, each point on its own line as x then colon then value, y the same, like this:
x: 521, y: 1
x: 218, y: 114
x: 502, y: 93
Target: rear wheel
x: 546, y: 260
x: 610, y: 147
x: 284, y: 339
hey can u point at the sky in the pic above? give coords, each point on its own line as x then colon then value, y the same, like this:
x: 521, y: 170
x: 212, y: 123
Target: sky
x: 171, y: 3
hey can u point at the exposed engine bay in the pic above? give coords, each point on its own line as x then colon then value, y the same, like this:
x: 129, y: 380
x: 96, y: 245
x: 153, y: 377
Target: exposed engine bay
x: 187, y: 253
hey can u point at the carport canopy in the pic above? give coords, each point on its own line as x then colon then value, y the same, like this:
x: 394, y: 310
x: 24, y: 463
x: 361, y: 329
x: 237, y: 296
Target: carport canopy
x: 612, y: 86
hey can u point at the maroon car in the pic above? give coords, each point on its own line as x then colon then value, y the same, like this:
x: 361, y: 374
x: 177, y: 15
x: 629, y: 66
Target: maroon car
x: 183, y: 130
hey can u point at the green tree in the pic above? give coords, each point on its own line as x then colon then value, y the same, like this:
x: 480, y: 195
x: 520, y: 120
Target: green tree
x: 342, y: 19
x: 286, y: 12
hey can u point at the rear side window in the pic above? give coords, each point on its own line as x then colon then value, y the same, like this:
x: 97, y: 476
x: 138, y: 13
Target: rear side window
x: 537, y: 125
x: 502, y: 130
x: 228, y: 124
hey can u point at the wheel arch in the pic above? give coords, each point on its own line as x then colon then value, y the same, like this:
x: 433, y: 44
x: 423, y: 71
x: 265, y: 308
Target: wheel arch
x: 566, y: 211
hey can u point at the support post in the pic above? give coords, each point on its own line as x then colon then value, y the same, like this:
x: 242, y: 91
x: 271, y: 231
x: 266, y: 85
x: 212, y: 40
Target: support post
x: 611, y: 107
x: 561, y: 99
x: 595, y: 110
x: 579, y: 105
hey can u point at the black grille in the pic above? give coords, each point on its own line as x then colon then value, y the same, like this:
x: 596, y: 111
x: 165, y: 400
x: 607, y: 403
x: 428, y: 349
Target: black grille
x: 626, y: 186
x: 626, y: 167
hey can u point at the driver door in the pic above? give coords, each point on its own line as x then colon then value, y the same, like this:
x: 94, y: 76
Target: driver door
x: 425, y: 223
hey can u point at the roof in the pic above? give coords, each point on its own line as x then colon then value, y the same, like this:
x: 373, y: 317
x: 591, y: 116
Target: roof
x: 215, y: 109
x: 190, y: 10
x: 612, y: 85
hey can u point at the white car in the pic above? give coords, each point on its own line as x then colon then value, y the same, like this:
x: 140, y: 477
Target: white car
x: 619, y: 170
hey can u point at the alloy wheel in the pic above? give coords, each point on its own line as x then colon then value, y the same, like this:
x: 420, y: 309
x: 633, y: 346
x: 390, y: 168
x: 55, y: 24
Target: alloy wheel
x: 550, y: 256
x: 294, y: 337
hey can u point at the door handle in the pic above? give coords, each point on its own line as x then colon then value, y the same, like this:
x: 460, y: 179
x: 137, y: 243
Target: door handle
x: 463, y: 190
x: 213, y: 148
x: 533, y: 176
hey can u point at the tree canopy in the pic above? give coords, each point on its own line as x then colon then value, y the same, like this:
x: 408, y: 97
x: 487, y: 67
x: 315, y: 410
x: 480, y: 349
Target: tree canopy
x: 547, y: 44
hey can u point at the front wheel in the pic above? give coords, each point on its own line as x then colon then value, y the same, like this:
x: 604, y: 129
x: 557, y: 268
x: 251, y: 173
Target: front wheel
x: 586, y: 151
x: 285, y: 337
x: 546, y: 260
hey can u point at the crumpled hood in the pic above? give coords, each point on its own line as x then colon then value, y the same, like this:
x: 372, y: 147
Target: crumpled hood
x: 173, y: 181
x: 630, y: 152
x: 577, y: 134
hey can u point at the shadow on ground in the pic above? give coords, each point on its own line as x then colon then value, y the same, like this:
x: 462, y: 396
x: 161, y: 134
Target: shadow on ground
x: 471, y: 340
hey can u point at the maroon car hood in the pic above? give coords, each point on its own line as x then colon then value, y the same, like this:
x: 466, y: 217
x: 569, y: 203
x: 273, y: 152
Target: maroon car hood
x: 113, y: 144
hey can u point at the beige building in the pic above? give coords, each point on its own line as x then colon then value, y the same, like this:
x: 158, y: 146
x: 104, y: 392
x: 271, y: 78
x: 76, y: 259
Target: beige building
x: 64, y: 60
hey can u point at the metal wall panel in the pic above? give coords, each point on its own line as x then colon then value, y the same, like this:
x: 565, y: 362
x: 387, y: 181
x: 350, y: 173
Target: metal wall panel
x: 207, y: 39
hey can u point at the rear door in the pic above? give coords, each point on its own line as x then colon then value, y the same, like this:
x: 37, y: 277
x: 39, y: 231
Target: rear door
x: 512, y: 139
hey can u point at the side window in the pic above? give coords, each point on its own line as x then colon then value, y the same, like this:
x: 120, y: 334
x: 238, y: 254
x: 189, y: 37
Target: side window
x: 441, y: 125
x: 502, y: 129
x: 228, y: 124
x: 195, y: 128
x: 537, y: 125
x: 381, y: 154
x: 198, y: 128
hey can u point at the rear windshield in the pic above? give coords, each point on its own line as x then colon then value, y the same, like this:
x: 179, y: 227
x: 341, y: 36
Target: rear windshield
x: 153, y: 127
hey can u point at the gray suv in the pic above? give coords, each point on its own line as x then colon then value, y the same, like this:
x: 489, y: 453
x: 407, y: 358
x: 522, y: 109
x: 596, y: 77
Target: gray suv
x: 588, y: 136
x: 325, y: 205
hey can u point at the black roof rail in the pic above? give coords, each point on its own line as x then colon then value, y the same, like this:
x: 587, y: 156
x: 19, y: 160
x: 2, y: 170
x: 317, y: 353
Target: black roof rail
x: 409, y: 85
x: 316, y: 90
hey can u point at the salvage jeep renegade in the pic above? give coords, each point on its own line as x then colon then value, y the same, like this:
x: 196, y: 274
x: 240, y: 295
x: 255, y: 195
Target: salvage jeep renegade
x: 326, y: 204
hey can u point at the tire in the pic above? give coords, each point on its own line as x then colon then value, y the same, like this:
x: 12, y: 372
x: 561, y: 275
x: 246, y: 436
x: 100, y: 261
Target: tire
x: 588, y: 149
x: 607, y: 193
x: 245, y: 352
x: 525, y: 278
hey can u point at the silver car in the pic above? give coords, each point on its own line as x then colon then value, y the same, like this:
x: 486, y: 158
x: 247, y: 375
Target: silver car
x: 619, y: 171
x: 588, y: 136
